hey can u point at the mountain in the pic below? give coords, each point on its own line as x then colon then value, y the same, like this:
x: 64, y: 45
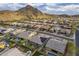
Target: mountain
x: 9, y: 15
x: 32, y: 13
x: 29, y: 10
x: 25, y: 13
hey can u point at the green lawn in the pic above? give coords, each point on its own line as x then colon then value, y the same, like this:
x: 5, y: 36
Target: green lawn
x: 71, y: 49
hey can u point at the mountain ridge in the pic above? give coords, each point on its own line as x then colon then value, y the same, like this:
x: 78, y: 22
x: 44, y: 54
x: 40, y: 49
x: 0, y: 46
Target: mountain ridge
x: 28, y: 12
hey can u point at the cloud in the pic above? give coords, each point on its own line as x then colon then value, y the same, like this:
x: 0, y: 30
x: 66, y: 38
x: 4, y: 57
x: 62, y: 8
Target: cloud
x: 11, y: 6
x: 35, y: 4
x: 71, y: 7
x: 62, y: 9
x: 67, y: 7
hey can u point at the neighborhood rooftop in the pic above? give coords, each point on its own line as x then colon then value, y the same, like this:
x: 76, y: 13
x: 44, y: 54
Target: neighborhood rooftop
x: 57, y: 45
x: 13, y: 52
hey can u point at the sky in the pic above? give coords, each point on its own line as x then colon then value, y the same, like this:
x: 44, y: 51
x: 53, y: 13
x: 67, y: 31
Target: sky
x: 51, y: 8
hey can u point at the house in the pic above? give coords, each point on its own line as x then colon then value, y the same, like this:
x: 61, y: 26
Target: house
x: 2, y: 31
x: 45, y: 27
x: 37, y: 26
x: 24, y: 34
x: 68, y: 31
x: 17, y: 31
x: 55, y: 29
x: 52, y: 30
x: 57, y: 44
x: 39, y: 39
x: 65, y: 31
x: 9, y: 30
x: 13, y: 52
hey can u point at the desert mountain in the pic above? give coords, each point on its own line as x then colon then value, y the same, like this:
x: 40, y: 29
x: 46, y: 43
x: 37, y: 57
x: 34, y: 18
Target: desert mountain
x: 9, y: 15
x: 32, y: 13
x: 27, y: 12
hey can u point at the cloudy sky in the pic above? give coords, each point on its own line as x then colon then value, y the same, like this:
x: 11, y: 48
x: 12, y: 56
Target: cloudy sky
x: 52, y: 8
